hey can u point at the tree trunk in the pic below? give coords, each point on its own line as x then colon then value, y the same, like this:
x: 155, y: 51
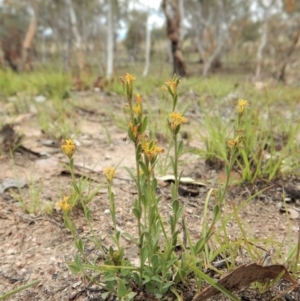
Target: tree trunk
x: 147, y: 48
x: 25, y: 62
x: 261, y: 47
x: 110, y: 41
x: 292, y: 48
x: 213, y: 58
x: 78, y: 43
x: 172, y: 13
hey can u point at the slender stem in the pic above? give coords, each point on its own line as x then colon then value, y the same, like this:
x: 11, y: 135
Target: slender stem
x: 149, y: 201
x: 138, y: 183
x: 176, y: 165
x: 113, y: 212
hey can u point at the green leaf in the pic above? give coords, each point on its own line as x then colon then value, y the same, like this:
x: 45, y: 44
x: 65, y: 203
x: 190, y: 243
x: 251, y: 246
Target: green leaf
x: 144, y: 124
x: 78, y: 261
x: 175, y: 206
x: 145, y: 253
x: 180, y: 148
x: 177, y: 129
x: 130, y: 295
x: 79, y: 245
x: 144, y: 167
x: 19, y: 289
x: 199, y: 246
x: 174, y: 192
x: 216, y: 210
x: 122, y: 290
x: 155, y: 262
x: 87, y: 212
x: 131, y: 135
x: 137, y: 213
x: 105, y: 295
x: 74, y: 268
x: 69, y: 224
x: 154, y: 184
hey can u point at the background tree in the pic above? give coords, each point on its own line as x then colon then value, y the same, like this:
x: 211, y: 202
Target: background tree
x: 173, y: 19
x: 76, y: 34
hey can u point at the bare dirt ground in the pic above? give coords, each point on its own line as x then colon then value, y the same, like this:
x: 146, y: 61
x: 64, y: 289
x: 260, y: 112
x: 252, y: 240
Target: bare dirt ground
x: 38, y: 246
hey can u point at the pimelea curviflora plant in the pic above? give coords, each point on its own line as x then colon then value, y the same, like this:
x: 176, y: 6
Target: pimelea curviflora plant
x: 160, y: 268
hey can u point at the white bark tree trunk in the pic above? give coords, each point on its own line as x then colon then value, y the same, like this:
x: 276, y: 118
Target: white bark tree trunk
x: 222, y: 35
x: 261, y: 47
x: 147, y: 47
x: 110, y: 41
x: 78, y: 40
x: 182, y: 30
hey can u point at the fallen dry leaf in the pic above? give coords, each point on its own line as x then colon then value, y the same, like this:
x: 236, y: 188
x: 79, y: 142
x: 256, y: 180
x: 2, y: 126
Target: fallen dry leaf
x: 243, y: 276
x: 183, y: 180
x: 293, y: 214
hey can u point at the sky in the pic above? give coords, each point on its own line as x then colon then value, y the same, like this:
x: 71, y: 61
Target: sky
x: 156, y: 16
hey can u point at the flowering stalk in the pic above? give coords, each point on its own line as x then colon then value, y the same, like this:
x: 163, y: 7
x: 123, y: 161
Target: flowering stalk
x: 136, y: 126
x: 68, y: 147
x: 235, y: 144
x: 174, y: 123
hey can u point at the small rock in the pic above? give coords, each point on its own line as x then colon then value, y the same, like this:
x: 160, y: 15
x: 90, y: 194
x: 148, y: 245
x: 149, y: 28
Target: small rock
x: 20, y: 264
x: 75, y: 285
x: 11, y: 251
x: 40, y: 98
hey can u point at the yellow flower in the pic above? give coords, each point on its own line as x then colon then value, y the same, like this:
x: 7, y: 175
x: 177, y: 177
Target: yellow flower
x: 64, y: 204
x: 176, y: 119
x: 236, y: 142
x: 151, y: 150
x: 138, y: 107
x: 171, y: 85
x: 129, y: 78
x: 126, y: 81
x: 138, y: 98
x: 134, y: 129
x: 241, y: 106
x: 68, y: 147
x: 109, y: 172
x: 231, y: 143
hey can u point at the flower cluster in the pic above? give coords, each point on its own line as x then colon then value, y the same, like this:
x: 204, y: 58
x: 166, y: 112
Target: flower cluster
x: 138, y: 107
x: 171, y: 86
x: 134, y: 130
x: 109, y: 172
x: 241, y: 106
x: 68, y: 147
x: 235, y: 143
x: 151, y: 150
x: 64, y: 204
x: 176, y: 119
x: 127, y: 81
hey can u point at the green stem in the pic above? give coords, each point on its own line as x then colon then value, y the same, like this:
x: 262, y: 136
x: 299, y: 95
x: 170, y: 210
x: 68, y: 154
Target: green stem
x: 19, y: 289
x: 113, y: 212
x: 176, y: 165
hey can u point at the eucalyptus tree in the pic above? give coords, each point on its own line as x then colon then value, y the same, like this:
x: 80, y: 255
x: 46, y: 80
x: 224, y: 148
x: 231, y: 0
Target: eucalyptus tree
x: 211, y: 22
x: 174, y: 15
x: 16, y: 40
